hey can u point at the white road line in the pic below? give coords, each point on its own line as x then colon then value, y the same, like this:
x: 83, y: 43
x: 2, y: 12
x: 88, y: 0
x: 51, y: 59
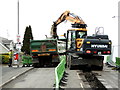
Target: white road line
x: 13, y: 77
x: 80, y: 79
x: 81, y: 85
x: 78, y: 76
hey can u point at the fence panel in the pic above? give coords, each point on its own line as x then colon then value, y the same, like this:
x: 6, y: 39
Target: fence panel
x: 59, y: 71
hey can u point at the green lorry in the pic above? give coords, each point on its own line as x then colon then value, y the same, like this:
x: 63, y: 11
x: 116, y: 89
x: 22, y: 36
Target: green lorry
x: 46, y: 52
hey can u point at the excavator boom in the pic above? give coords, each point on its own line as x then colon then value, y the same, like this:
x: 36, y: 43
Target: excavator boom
x: 66, y: 16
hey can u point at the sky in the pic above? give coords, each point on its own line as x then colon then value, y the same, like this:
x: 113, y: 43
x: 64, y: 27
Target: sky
x: 40, y: 14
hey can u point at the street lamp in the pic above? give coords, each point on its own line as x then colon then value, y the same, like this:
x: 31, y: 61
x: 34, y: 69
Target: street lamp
x: 18, y: 45
x: 118, y: 33
x: 18, y: 35
x: 116, y: 16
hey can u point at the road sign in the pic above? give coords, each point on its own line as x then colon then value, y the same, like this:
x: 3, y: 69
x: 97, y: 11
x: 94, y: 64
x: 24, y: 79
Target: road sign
x: 18, y: 38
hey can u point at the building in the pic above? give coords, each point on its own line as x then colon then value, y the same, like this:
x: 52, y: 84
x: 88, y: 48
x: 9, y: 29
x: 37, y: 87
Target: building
x: 6, y: 45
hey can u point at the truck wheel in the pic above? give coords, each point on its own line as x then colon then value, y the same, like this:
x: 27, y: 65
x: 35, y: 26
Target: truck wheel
x: 35, y: 65
x: 87, y: 68
x: 100, y: 68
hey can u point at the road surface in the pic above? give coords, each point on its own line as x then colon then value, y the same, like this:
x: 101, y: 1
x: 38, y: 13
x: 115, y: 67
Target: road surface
x: 9, y: 73
x: 36, y: 78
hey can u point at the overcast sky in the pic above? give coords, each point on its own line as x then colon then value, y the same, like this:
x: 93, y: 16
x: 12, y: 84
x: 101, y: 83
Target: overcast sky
x: 40, y: 14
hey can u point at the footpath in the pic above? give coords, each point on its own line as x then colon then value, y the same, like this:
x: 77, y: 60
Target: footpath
x: 8, y: 74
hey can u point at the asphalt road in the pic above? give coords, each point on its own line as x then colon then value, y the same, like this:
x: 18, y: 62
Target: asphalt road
x: 36, y: 78
x: 45, y: 78
x: 76, y: 81
x: 108, y: 77
x: 9, y: 73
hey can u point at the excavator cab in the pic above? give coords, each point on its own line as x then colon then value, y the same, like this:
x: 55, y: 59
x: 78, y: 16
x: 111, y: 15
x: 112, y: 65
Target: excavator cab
x: 75, y: 38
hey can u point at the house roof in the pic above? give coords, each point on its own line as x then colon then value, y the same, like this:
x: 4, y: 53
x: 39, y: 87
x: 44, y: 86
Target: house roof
x: 1, y: 38
x: 3, y: 49
x: 5, y: 43
x: 5, y: 40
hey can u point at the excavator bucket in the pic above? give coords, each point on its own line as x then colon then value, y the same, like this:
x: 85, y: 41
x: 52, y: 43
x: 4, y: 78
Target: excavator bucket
x: 54, y: 31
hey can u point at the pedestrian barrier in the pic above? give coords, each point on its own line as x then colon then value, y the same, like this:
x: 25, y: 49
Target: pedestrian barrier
x: 59, y: 71
x: 110, y: 62
x: 117, y: 62
x: 4, y: 58
x: 1, y: 58
x: 26, y: 60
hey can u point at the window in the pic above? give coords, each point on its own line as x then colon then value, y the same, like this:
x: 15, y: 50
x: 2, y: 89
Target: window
x: 81, y: 34
x: 71, y: 39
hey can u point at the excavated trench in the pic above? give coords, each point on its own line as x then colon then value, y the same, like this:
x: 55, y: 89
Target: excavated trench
x: 94, y: 83
x: 90, y: 77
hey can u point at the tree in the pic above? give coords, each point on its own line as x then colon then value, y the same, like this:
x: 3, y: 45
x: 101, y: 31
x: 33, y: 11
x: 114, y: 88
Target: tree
x: 26, y: 40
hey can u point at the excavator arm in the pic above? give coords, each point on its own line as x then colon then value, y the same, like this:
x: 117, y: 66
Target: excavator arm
x: 65, y: 16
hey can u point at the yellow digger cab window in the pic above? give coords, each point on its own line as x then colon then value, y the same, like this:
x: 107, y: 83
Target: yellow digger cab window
x: 81, y: 34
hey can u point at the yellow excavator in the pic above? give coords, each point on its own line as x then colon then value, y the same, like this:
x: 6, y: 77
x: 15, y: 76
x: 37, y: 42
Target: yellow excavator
x: 71, y: 17
x: 81, y: 49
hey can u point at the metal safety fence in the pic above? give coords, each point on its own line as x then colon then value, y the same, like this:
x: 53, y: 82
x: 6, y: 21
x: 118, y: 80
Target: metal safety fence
x: 4, y: 58
x: 117, y: 62
x: 110, y: 62
x: 59, y: 71
x: 26, y: 60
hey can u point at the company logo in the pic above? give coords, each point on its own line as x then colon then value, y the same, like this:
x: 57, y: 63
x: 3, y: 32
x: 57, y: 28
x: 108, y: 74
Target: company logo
x: 99, y: 46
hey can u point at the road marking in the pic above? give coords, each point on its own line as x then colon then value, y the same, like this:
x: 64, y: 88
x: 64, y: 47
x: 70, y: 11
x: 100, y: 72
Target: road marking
x: 100, y: 79
x: 81, y: 85
x: 80, y: 79
x: 78, y: 76
x: 13, y: 77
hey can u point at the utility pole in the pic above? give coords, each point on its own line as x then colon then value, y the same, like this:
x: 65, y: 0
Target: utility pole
x: 18, y: 45
x: 18, y: 35
x: 118, y: 17
x: 18, y: 16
